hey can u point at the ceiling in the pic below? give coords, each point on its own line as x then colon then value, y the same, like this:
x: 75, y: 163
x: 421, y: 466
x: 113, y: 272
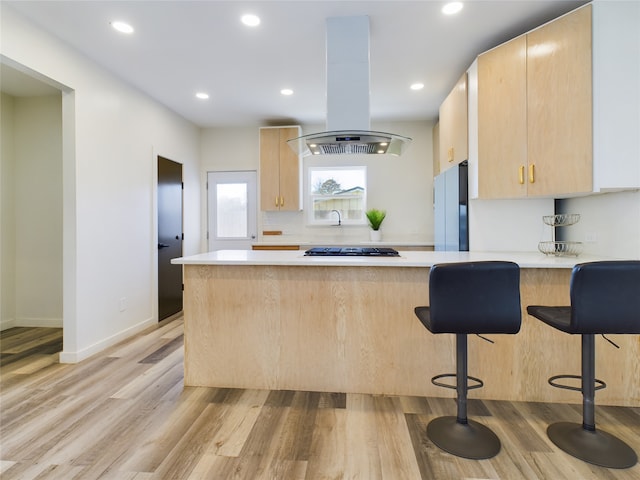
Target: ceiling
x: 182, y: 47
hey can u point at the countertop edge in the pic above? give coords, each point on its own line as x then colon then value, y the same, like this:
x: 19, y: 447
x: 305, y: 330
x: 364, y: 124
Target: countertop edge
x: 410, y: 259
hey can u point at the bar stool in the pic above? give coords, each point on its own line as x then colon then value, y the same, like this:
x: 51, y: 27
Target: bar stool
x: 469, y: 298
x: 605, y: 298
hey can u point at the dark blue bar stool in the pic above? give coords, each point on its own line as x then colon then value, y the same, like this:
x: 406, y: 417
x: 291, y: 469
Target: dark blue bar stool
x: 605, y: 298
x: 469, y: 298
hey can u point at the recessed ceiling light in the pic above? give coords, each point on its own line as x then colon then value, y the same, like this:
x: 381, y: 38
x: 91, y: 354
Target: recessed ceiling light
x: 250, y: 20
x: 286, y: 91
x: 202, y: 95
x: 452, y: 8
x: 417, y: 86
x: 122, y: 27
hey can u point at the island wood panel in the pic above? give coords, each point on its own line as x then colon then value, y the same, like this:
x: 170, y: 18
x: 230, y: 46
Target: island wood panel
x: 232, y: 320
x: 353, y: 330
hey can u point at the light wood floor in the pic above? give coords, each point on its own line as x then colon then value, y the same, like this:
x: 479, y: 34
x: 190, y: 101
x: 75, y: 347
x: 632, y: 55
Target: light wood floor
x: 125, y: 414
x: 22, y: 343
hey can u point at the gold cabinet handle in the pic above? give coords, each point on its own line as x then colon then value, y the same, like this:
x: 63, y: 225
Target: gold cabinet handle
x: 282, y: 201
x: 450, y: 154
x: 277, y: 199
x: 521, y: 174
x: 531, y: 173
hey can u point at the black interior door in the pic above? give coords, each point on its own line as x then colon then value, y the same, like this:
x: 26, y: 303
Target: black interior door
x: 169, y: 237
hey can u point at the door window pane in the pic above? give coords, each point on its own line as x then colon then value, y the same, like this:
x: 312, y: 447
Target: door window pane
x: 232, y: 210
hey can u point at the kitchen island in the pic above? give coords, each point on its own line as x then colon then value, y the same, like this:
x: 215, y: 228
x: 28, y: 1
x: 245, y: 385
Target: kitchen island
x: 281, y: 320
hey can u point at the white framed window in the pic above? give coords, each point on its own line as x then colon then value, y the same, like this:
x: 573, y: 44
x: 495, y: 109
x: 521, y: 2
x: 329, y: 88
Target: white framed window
x: 337, y: 189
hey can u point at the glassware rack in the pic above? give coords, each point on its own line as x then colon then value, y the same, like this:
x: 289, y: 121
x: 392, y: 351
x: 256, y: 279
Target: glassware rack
x: 560, y: 248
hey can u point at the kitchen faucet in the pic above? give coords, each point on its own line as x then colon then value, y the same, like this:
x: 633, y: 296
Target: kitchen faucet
x: 339, y: 219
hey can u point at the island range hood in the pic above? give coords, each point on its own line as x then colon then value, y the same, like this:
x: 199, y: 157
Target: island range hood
x: 348, y: 115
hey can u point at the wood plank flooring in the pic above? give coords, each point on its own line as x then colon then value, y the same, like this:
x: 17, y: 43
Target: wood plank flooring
x: 124, y: 414
x: 20, y: 343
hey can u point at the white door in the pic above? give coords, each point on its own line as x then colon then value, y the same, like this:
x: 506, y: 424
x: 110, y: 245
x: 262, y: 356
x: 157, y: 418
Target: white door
x: 231, y: 210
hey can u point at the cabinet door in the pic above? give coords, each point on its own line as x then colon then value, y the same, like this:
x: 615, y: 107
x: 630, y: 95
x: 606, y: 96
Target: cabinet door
x: 436, y: 149
x: 289, y: 171
x: 454, y: 126
x: 269, y: 169
x: 560, y: 106
x: 502, y: 121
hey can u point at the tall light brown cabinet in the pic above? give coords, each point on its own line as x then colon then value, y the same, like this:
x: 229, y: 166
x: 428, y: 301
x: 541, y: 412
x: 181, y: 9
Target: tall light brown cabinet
x: 535, y: 112
x: 279, y: 170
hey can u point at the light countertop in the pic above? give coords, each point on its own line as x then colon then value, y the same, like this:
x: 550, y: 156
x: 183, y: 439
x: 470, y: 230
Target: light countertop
x: 406, y: 259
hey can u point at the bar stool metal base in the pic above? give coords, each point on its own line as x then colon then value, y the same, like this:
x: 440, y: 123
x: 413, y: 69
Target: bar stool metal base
x: 471, y: 440
x: 595, y: 447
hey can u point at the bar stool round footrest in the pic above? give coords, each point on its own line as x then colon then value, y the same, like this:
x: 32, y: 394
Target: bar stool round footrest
x: 593, y: 446
x: 552, y: 381
x: 467, y: 440
x: 479, y: 383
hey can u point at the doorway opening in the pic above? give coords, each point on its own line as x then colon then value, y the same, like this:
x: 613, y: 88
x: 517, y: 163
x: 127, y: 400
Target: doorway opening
x: 31, y: 191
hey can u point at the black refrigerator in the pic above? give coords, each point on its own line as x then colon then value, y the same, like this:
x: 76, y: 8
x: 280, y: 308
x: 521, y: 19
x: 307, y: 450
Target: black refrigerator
x: 450, y: 203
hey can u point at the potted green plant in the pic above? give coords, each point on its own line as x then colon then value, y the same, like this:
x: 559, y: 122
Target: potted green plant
x: 375, y: 218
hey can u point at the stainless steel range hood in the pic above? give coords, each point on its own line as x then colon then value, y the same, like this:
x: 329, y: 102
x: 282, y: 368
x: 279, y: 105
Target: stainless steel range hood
x: 344, y: 142
x: 348, y: 116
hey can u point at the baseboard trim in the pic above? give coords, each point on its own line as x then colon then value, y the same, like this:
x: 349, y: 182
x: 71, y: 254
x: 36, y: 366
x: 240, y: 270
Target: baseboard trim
x: 7, y: 323
x: 78, y: 356
x: 39, y: 322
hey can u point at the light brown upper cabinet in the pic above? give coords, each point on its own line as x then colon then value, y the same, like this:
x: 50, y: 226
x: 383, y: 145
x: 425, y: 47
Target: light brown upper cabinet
x: 502, y: 120
x: 436, y: 149
x: 535, y: 112
x: 454, y: 146
x: 279, y: 170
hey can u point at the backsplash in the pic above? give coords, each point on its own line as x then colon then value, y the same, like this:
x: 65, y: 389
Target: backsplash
x: 294, y: 230
x: 609, y: 223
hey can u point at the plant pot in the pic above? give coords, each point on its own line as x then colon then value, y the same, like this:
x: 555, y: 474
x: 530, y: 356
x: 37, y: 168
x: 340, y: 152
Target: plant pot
x: 375, y: 235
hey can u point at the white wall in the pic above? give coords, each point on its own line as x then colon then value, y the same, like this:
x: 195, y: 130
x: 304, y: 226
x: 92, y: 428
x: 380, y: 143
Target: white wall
x: 38, y: 207
x: 31, y: 232
x: 112, y: 134
x: 609, y: 224
x: 400, y: 185
x: 508, y: 225
x: 7, y: 214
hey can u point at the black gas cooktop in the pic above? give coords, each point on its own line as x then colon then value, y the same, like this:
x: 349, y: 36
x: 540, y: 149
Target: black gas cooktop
x: 351, y: 251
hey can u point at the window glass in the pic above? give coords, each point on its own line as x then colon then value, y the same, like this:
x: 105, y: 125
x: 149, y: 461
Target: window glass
x: 341, y: 189
x: 231, y: 218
